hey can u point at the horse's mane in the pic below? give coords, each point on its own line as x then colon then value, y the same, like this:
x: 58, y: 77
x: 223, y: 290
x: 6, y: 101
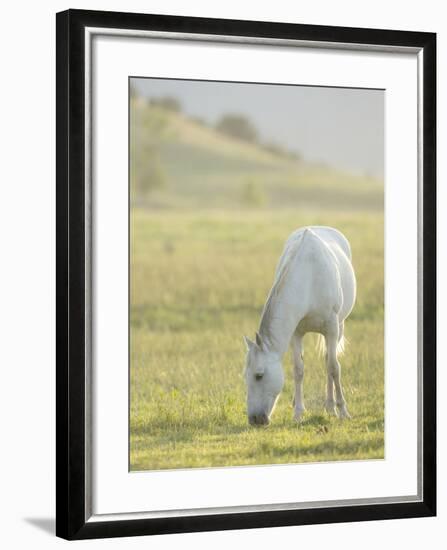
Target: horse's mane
x: 288, y: 256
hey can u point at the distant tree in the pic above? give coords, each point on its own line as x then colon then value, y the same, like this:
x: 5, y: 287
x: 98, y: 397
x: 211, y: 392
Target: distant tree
x: 253, y: 194
x: 199, y: 120
x: 295, y: 155
x: 169, y: 103
x: 238, y: 126
x: 148, y: 130
x: 133, y: 90
x: 152, y: 176
x: 280, y: 151
x: 275, y: 149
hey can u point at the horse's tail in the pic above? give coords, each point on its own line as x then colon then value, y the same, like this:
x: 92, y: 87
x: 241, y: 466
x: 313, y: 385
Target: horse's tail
x: 321, y: 345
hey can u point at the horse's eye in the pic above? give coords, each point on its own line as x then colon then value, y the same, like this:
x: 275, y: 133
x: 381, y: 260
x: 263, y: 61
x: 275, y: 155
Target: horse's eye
x: 258, y: 376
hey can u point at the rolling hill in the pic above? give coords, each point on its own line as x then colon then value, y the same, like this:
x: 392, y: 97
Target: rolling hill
x: 178, y: 162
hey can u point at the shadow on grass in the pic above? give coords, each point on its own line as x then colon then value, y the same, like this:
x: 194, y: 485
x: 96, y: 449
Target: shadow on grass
x: 187, y: 431
x: 316, y: 420
x: 194, y: 427
x: 376, y: 425
x: 330, y: 449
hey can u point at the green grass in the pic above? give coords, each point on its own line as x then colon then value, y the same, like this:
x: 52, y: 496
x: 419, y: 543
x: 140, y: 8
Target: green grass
x: 199, y: 280
x: 203, y: 255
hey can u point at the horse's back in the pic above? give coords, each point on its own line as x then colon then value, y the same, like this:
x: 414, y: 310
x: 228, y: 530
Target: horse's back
x: 331, y: 236
x: 323, y: 254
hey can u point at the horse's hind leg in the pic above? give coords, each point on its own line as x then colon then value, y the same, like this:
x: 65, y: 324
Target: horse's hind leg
x: 334, y: 372
x: 341, y: 337
x: 330, y: 401
x: 298, y: 371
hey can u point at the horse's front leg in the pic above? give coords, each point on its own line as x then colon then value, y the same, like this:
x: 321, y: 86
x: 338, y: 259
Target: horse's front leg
x: 298, y: 371
x: 334, y: 372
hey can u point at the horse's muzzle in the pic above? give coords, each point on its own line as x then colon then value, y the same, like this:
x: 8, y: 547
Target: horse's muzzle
x: 259, y: 420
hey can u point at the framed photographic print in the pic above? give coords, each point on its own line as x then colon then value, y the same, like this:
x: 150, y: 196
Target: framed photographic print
x: 246, y: 274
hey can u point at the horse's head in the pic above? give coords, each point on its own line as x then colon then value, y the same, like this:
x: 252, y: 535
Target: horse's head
x: 264, y: 378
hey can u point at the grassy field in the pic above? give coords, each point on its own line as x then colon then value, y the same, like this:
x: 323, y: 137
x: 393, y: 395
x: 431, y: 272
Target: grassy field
x: 199, y: 280
x: 209, y: 217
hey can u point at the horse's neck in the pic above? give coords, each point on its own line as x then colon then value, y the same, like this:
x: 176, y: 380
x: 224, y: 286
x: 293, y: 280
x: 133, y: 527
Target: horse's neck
x: 280, y: 318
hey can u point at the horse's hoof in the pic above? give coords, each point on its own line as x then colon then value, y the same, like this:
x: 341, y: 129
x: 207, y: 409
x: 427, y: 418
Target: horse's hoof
x: 343, y: 414
x: 330, y: 409
x: 298, y: 416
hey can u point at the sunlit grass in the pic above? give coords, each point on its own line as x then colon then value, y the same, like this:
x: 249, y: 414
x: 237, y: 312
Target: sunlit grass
x: 198, y: 283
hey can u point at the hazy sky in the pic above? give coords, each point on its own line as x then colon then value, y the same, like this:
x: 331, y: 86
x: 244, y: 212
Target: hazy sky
x: 338, y: 126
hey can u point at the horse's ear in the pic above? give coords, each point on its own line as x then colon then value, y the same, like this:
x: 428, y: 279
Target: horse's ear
x: 259, y: 342
x: 249, y: 343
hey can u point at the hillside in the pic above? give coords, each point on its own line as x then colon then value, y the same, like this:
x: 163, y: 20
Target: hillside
x: 178, y: 162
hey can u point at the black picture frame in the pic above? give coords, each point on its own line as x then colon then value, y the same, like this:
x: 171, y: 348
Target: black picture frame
x: 72, y: 510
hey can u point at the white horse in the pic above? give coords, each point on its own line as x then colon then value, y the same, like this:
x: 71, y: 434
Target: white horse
x: 314, y: 291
